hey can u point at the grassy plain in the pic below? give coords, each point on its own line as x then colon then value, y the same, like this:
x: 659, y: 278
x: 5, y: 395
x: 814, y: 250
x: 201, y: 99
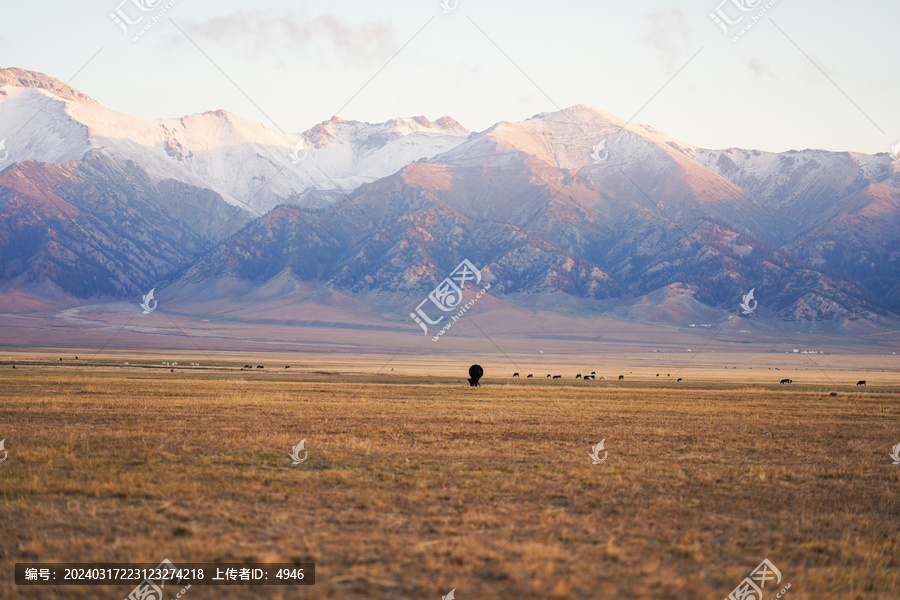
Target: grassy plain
x: 416, y: 484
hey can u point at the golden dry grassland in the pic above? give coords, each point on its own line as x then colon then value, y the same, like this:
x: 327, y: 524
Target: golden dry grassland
x: 416, y: 485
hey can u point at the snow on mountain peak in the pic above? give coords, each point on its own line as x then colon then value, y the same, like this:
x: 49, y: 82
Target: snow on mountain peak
x: 581, y: 114
x: 356, y: 152
x: 32, y: 79
x: 246, y: 162
x: 563, y: 138
x: 372, y: 135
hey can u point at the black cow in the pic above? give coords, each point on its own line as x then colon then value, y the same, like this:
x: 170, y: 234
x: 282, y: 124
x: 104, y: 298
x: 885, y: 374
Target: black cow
x: 578, y: 376
x: 862, y: 382
x: 549, y: 375
x: 593, y: 372
x: 621, y: 377
x: 679, y: 379
x: 515, y: 374
x: 260, y: 367
x: 475, y: 373
x: 787, y: 381
x: 287, y: 366
x: 557, y: 377
x: 530, y: 375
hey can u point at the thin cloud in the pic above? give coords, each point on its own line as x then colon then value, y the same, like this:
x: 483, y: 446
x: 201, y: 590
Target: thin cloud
x: 668, y: 34
x: 283, y: 33
x: 760, y: 68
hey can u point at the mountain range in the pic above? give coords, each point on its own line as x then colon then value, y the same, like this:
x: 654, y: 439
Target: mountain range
x: 571, y: 210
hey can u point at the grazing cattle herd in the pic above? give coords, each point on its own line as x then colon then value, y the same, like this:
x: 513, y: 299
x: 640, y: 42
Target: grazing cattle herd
x: 593, y: 377
x: 476, y: 372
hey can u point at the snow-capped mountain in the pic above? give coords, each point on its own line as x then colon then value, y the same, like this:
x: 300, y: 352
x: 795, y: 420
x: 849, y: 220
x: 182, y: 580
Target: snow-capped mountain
x: 576, y: 204
x: 343, y: 155
x: 529, y: 204
x: 248, y: 164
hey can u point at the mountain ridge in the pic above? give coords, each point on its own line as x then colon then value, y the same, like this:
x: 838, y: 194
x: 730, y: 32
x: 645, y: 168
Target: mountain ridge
x: 576, y: 202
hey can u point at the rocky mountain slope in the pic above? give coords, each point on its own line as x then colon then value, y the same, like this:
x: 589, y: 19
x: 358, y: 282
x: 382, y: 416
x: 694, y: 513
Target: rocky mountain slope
x: 527, y: 204
x: 576, y: 204
x: 97, y: 227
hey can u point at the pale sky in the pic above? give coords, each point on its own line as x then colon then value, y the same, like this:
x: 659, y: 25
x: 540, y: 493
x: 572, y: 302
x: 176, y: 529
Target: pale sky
x: 301, y: 62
